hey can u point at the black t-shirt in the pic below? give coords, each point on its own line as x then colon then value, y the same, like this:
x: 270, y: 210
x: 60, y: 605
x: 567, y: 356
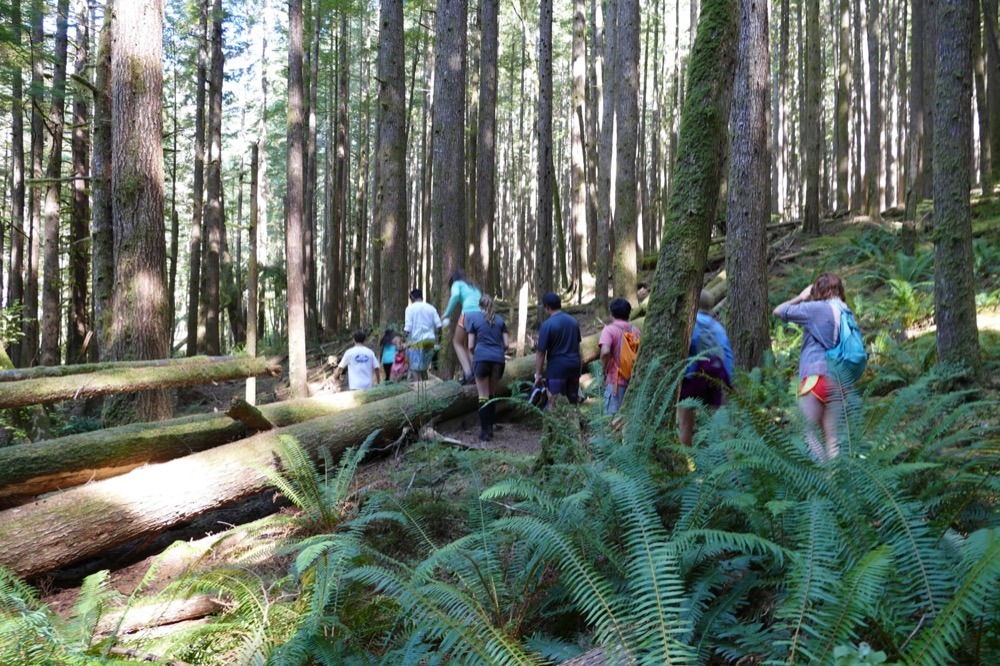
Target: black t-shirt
x: 560, y: 338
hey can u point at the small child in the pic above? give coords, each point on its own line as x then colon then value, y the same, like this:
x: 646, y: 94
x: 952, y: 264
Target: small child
x: 400, y: 366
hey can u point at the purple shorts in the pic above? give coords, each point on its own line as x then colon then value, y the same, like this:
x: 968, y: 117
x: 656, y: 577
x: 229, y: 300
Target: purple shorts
x: 568, y: 386
x: 707, y: 382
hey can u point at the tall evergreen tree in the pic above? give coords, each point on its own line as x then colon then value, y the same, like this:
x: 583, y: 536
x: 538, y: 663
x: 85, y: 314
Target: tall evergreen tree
x: 194, y: 248
x: 15, y: 285
x: 139, y: 315
x: 954, y: 283
x: 626, y: 195
x: 295, y: 176
x: 544, y: 279
x: 79, y: 247
x: 813, y: 114
x: 214, y: 212
x: 486, y: 207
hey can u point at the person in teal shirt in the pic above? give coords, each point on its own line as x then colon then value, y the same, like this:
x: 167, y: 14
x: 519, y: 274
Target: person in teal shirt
x: 465, y: 292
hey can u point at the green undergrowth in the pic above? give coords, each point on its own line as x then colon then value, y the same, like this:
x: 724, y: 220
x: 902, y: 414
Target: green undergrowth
x: 737, y: 550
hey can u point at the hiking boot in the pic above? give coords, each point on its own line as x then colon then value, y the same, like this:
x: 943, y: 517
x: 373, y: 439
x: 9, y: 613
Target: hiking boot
x: 485, y: 435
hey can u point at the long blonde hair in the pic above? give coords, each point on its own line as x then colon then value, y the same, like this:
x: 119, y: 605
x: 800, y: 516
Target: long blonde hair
x: 488, y: 308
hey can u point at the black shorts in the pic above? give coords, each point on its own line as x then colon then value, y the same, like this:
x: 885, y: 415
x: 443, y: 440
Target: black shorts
x: 491, y: 369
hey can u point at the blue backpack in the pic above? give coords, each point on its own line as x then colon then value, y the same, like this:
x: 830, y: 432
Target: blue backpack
x: 847, y: 359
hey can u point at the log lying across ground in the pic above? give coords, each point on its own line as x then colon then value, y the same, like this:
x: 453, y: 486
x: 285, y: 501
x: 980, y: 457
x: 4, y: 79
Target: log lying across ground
x: 42, y: 371
x: 28, y: 470
x: 85, y: 521
x: 123, y: 380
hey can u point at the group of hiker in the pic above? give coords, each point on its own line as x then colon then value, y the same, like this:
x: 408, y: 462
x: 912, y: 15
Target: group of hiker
x: 481, y: 340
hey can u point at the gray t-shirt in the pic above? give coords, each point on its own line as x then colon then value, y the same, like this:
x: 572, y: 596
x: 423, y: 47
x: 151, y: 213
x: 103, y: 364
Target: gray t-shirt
x: 819, y: 332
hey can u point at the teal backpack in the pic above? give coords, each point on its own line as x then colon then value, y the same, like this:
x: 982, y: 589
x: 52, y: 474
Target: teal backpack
x: 848, y: 359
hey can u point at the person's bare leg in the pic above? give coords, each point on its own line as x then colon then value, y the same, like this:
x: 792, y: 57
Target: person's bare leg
x: 831, y: 418
x: 813, y: 410
x: 461, y: 342
x: 685, y: 425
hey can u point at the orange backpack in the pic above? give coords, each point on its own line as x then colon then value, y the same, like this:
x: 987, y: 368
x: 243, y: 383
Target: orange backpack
x: 629, y: 350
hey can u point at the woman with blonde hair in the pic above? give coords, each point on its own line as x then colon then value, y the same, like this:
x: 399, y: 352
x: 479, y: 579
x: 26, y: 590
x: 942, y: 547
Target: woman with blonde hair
x: 488, y: 342
x: 817, y: 310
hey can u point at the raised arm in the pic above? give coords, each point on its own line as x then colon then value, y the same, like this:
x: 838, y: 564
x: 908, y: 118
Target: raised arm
x: 803, y: 296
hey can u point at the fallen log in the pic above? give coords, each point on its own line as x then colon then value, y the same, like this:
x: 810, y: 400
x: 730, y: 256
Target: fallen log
x: 29, y: 470
x: 83, y: 522
x: 41, y: 371
x: 249, y: 415
x: 157, y: 614
x: 124, y: 380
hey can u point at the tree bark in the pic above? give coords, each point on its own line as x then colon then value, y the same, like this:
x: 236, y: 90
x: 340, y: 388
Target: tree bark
x: 121, y: 380
x: 391, y: 189
x: 982, y: 110
x: 915, y: 167
x: 843, y: 111
x: 252, y: 270
x: 58, y: 464
x: 749, y: 208
x: 605, y: 181
x: 103, y: 229
x: 873, y: 144
x: 486, y: 167
x: 79, y: 247
x: 693, y: 196
x: 53, y: 200
x: 214, y: 213
x: 29, y: 321
x: 814, y: 111
x: 139, y: 326
x: 88, y: 520
x: 954, y: 283
x: 627, y: 124
x: 543, y: 240
x: 578, y: 141
x: 293, y: 235
x: 992, y: 79
x: 46, y: 372
x: 15, y: 287
x: 197, y: 193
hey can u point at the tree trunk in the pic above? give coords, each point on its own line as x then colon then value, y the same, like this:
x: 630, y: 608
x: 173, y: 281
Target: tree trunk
x: 843, y: 112
x: 175, y: 222
x: 391, y: 189
x: 873, y: 145
x: 982, y: 111
x: 954, y: 283
x: 139, y: 326
x: 214, y: 212
x: 749, y: 208
x: 194, y: 246
x: 627, y: 125
x: 103, y: 230
x: 53, y: 200
x: 486, y: 168
x: 15, y: 287
x: 915, y: 168
x: 311, y: 172
x: 930, y: 67
x: 543, y: 241
x: 814, y: 111
x: 693, y: 196
x: 58, y: 464
x: 293, y: 235
x: 29, y: 322
x: 992, y: 80
x: 90, y: 519
x: 605, y: 181
x: 578, y: 134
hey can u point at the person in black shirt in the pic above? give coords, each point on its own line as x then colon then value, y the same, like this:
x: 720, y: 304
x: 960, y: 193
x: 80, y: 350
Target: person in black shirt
x: 488, y: 341
x: 559, y: 342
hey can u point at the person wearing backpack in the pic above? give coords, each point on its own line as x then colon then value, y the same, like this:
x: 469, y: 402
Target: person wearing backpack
x: 619, y: 344
x: 711, y: 370
x: 829, y: 361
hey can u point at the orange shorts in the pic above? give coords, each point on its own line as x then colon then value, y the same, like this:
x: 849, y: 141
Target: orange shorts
x: 821, y: 386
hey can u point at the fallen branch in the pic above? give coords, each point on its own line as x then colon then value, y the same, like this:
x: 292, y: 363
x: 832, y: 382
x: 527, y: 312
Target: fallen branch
x: 172, y: 611
x: 249, y: 415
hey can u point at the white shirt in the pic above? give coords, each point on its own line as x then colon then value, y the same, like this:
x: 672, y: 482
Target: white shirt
x: 360, y: 362
x: 422, y: 321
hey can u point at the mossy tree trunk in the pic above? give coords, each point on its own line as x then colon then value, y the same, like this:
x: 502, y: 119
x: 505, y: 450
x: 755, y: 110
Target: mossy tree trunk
x: 627, y: 127
x: 954, y: 283
x: 694, y: 191
x: 749, y: 206
x: 103, y: 227
x: 139, y: 310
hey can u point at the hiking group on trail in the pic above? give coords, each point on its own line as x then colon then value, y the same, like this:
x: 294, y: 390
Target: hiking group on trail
x: 831, y: 359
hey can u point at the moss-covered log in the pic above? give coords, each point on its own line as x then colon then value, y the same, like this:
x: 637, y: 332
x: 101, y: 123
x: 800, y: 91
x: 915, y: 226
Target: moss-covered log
x: 29, y: 470
x: 126, y: 380
x: 41, y: 371
x: 85, y: 521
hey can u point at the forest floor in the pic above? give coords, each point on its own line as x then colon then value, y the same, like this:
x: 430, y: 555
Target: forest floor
x: 441, y: 474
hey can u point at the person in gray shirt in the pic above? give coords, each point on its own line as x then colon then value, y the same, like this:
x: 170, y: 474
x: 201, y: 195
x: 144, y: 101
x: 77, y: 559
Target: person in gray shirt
x: 817, y: 310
